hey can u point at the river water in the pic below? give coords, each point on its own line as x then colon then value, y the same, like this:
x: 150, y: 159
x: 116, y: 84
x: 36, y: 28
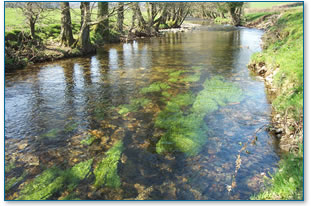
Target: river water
x: 167, y: 118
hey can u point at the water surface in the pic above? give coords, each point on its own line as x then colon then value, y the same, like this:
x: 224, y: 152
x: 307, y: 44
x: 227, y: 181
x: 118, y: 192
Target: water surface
x: 66, y: 115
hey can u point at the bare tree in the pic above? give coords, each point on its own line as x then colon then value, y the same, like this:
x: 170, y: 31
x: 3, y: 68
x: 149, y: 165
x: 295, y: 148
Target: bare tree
x: 32, y: 12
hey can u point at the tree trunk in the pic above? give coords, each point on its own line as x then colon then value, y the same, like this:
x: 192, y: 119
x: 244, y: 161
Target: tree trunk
x: 102, y: 29
x: 84, y: 42
x: 66, y: 29
x: 120, y: 17
x: 32, y: 28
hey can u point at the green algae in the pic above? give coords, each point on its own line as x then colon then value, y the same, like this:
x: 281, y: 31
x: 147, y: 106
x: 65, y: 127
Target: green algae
x: 51, y: 134
x: 173, y: 79
x: 71, y: 126
x: 155, y: 87
x: 134, y: 105
x: 89, y: 140
x: 71, y: 196
x: 54, y: 180
x: 196, y: 67
x: 186, y: 131
x: 192, y: 78
x: 106, y: 173
x: 43, y: 186
x: 77, y: 173
x: 177, y: 73
x: 9, y: 166
x: 183, y: 99
x: 166, y: 94
x: 216, y: 93
x: 13, y: 181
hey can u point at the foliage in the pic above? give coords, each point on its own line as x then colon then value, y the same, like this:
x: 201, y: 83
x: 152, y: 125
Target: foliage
x: 106, y: 173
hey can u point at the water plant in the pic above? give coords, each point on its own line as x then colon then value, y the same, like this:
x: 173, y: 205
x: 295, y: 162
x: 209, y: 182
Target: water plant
x: 14, y: 180
x: 51, y: 134
x: 43, y: 186
x: 155, y: 87
x: 106, y: 173
x: 134, y: 105
x: 88, y: 140
x: 192, y: 78
x: 186, y: 131
x: 53, y: 180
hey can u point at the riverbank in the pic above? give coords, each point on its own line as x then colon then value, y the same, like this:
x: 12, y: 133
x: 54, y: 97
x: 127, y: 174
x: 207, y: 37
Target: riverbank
x: 280, y: 64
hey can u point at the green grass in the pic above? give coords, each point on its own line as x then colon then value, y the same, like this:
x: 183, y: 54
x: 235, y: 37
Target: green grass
x: 285, y: 51
x: 253, y: 16
x: 287, y: 183
x: 263, y: 5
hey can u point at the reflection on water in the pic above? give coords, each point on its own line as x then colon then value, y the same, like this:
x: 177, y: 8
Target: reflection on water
x: 98, y: 121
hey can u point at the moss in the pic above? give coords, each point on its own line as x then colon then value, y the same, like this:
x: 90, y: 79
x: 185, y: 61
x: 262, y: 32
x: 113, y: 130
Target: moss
x: 106, y: 173
x: 155, y: 87
x: 43, y: 186
x: 89, y: 140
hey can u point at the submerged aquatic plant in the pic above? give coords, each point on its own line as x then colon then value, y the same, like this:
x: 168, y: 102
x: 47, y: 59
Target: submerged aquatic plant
x: 13, y: 181
x: 88, y: 140
x: 106, y: 173
x: 77, y: 173
x: 54, y: 180
x: 134, y: 105
x: 43, y: 186
x: 186, y: 131
x: 192, y: 78
x: 155, y: 87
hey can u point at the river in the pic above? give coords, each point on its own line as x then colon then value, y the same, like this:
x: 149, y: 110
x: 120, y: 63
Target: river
x: 167, y: 118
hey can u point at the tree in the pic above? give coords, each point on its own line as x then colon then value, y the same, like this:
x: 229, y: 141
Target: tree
x: 66, y: 27
x: 102, y: 28
x: 32, y: 12
x: 83, y: 41
x: 235, y: 10
x: 120, y: 17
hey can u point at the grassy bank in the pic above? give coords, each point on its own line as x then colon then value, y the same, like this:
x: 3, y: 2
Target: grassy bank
x: 281, y: 64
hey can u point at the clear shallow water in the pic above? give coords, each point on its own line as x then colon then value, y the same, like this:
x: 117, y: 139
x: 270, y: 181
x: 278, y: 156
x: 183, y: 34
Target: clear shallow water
x: 73, y: 111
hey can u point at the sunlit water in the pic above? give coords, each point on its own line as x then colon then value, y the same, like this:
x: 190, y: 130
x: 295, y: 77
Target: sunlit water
x: 50, y: 108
